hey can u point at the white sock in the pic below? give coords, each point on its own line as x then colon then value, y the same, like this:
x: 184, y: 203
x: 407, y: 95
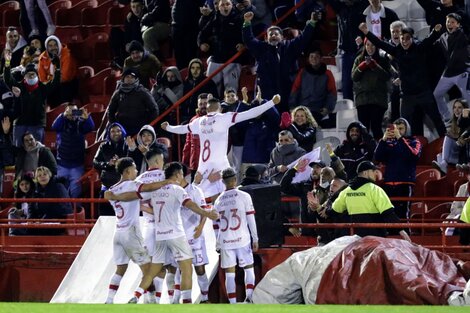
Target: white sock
x: 249, y: 282
x: 113, y: 287
x: 170, y: 284
x: 177, y: 294
x: 231, y: 288
x: 186, y: 295
x: 139, y: 292
x: 203, y: 283
x: 158, y: 282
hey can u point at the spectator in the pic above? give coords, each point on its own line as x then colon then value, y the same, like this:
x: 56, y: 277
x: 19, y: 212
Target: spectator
x: 395, y: 31
x: 379, y: 18
x: 454, y: 44
x: 30, y: 10
x: 437, y: 11
x: 143, y: 62
x: 195, y: 77
x: 457, y: 206
x: 276, y: 58
x: 119, y: 39
x: 131, y: 104
x: 253, y: 175
x: 14, y: 46
x: 168, y: 89
x: 416, y: 90
x: 371, y: 75
x: 105, y: 160
x: 24, y: 189
x: 221, y: 37
x: 185, y: 16
x: 190, y: 157
x: 336, y: 186
x: 237, y: 132
x: 260, y: 135
x: 302, y: 125
x: 349, y: 15
x: 7, y: 104
x: 286, y: 151
x: 146, y: 141
x: 357, y: 147
x: 450, y: 148
x: 315, y: 88
x: 156, y: 24
x: 71, y: 127
x: 263, y: 17
x: 465, y: 218
x: 49, y: 186
x: 365, y: 202
x: 399, y: 152
x: 32, y: 155
x: 59, y: 56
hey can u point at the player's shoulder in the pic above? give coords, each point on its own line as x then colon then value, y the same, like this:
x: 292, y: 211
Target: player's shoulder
x: 122, y: 185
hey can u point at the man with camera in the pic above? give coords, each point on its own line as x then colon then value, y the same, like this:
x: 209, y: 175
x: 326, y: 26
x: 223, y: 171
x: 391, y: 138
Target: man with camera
x: 71, y: 127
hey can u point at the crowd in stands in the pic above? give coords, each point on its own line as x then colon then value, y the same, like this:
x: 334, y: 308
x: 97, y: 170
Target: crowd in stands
x: 388, y: 73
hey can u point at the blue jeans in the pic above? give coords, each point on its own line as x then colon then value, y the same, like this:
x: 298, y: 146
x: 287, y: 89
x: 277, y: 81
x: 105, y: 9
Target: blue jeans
x: 72, y: 175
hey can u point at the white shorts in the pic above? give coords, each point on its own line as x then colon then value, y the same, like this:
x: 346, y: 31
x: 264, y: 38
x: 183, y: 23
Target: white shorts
x: 129, y: 245
x: 149, y: 238
x: 229, y: 257
x: 178, y: 247
x: 198, y: 246
x: 211, y: 189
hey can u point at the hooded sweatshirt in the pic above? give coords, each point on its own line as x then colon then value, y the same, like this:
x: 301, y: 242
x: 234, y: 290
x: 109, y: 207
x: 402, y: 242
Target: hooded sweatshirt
x: 68, y: 65
x: 138, y: 156
x: 28, y: 161
x: 167, y: 93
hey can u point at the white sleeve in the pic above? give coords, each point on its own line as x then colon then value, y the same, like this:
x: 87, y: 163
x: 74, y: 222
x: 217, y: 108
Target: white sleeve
x: 250, y: 218
x: 179, y: 129
x: 252, y: 113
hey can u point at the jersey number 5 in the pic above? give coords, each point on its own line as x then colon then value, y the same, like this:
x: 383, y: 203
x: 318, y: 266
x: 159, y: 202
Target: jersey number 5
x: 119, y: 210
x: 235, y: 217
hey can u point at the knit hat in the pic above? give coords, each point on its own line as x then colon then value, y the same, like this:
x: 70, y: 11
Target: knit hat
x: 130, y: 71
x: 319, y: 163
x: 30, y: 68
x: 365, y: 166
x: 255, y: 170
x: 134, y: 45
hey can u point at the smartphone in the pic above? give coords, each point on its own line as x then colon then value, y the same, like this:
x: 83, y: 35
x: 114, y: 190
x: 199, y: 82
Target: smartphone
x: 391, y: 127
x: 77, y: 113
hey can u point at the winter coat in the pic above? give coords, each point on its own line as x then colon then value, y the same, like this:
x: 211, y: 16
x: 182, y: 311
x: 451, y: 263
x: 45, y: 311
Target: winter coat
x: 283, y: 155
x: 68, y: 64
x: 45, y: 158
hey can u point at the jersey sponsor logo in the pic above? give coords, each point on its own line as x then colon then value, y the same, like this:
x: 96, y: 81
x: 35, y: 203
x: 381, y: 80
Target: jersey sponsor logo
x: 165, y: 232
x: 232, y: 240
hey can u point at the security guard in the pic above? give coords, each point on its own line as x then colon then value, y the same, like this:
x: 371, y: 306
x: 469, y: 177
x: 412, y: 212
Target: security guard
x: 366, y: 202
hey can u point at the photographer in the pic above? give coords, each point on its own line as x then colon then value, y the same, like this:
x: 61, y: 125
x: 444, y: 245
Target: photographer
x: 71, y: 127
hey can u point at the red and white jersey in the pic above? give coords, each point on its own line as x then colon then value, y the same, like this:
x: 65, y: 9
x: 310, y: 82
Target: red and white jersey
x: 166, y: 203
x: 127, y: 212
x: 213, y: 134
x: 149, y: 176
x: 233, y: 207
x: 191, y: 219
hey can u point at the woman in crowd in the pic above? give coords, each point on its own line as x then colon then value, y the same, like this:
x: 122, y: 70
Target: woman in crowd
x: 370, y: 75
x: 302, y: 125
x: 451, y: 146
x: 24, y: 189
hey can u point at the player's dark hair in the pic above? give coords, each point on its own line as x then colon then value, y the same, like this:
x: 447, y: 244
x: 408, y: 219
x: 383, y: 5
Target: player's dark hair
x: 172, y: 168
x: 154, y: 152
x: 124, y: 163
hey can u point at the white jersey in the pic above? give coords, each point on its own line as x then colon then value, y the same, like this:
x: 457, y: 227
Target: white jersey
x: 190, y: 219
x: 127, y: 212
x: 149, y: 176
x: 233, y: 207
x: 213, y: 134
x: 166, y: 203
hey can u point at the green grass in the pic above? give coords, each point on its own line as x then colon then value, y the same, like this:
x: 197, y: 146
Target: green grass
x: 225, y: 308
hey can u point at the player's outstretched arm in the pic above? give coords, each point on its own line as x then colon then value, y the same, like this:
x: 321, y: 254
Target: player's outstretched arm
x: 146, y: 209
x: 213, y: 215
x: 178, y: 129
x: 125, y: 196
x: 257, y: 111
x: 155, y: 185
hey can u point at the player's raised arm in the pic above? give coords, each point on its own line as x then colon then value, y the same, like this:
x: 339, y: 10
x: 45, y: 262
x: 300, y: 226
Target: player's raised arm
x: 178, y: 129
x: 257, y: 111
x: 213, y: 215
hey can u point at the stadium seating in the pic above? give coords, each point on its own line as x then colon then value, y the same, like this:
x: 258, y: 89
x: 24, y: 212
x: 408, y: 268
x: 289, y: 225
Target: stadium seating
x: 77, y: 217
x: 430, y: 151
x: 73, y: 17
x: 9, y: 13
x: 343, y: 104
x: 422, y: 178
x: 58, y: 5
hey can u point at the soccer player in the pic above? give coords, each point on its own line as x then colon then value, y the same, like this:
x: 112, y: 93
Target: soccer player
x: 169, y: 235
x: 236, y: 223
x: 154, y: 173
x: 127, y: 243
x: 213, y: 134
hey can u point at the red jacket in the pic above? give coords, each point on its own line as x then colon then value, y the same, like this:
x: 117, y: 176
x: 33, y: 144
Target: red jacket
x: 191, y: 148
